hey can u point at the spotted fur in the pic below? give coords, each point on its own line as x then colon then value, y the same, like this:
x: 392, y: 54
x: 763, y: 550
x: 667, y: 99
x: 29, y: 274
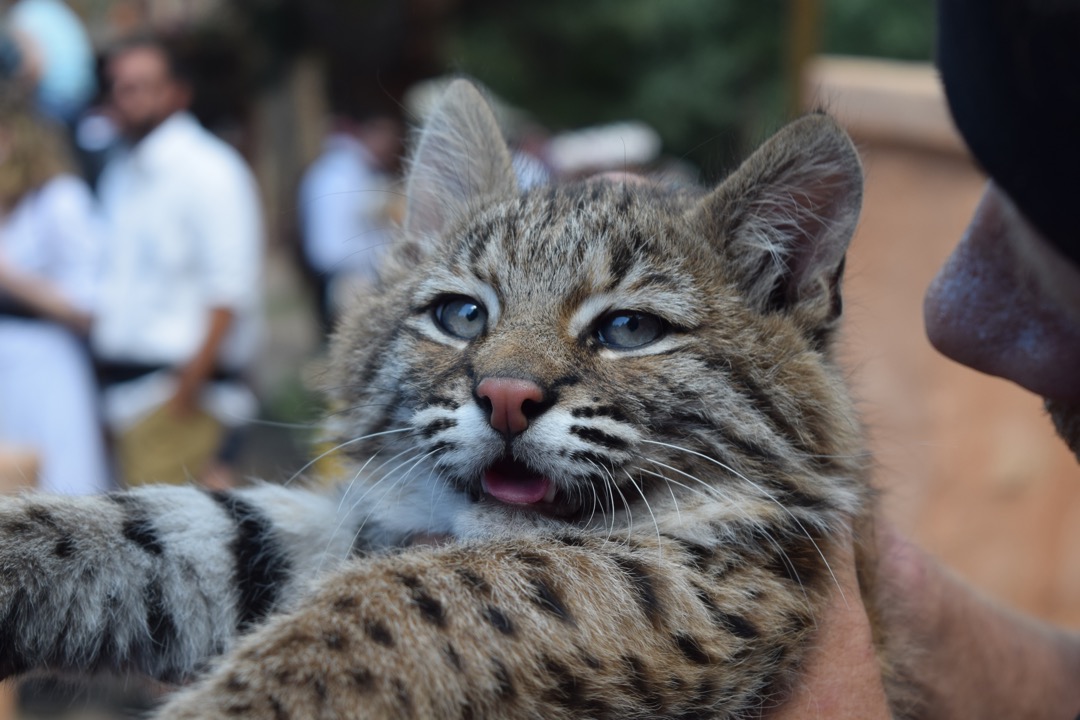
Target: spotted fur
x: 700, y: 479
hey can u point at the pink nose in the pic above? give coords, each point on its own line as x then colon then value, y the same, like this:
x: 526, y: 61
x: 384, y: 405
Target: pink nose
x: 507, y: 397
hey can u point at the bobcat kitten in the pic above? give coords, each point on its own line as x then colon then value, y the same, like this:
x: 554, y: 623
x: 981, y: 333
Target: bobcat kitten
x: 612, y: 403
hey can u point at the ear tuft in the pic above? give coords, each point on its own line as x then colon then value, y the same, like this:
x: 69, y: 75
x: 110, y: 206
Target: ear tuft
x: 785, y: 217
x: 460, y: 163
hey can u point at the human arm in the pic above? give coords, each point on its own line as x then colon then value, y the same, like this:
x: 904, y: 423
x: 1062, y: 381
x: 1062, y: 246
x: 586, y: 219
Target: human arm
x: 193, y: 375
x: 67, y: 236
x: 42, y: 297
x: 972, y: 657
x: 227, y: 227
x: 979, y: 658
x: 842, y: 677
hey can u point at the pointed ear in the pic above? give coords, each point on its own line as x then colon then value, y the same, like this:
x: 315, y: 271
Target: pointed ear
x: 460, y: 162
x: 785, y: 217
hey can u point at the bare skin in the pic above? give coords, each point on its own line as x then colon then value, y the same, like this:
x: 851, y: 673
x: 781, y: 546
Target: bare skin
x: 1010, y: 665
x: 842, y: 680
x: 144, y: 94
x: 44, y: 298
x: 979, y: 659
x: 190, y: 380
x: 192, y: 376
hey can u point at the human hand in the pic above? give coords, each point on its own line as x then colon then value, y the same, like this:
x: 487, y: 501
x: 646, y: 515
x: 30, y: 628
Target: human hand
x: 217, y: 477
x: 841, y: 679
x: 197, y: 371
x: 78, y: 321
x: 185, y: 399
x: 43, y: 298
x: 970, y: 656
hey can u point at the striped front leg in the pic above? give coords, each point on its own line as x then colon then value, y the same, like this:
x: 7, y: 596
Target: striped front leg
x: 566, y: 628
x: 155, y: 580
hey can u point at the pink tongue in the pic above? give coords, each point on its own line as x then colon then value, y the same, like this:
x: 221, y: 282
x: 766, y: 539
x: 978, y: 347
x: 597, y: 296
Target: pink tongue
x: 515, y: 489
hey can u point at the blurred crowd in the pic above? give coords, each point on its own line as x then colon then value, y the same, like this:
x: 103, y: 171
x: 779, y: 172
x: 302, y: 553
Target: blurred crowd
x: 131, y: 247
x: 128, y: 308
x: 132, y: 241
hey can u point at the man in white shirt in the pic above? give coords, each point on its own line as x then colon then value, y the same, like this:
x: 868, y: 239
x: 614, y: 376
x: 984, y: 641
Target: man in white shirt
x: 179, y: 306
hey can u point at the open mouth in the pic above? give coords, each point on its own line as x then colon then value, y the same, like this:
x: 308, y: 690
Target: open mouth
x: 513, y: 483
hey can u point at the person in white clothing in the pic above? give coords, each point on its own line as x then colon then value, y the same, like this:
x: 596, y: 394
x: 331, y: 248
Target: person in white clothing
x: 346, y: 206
x: 178, y: 317
x: 49, y: 240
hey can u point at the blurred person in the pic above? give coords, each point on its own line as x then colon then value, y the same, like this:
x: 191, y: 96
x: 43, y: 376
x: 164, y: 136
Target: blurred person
x: 529, y: 154
x: 49, y: 241
x: 57, y: 57
x: 178, y: 320
x: 346, y: 206
x: 1007, y: 303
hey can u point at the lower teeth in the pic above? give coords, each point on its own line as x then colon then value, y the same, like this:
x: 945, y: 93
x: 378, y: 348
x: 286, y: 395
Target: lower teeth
x: 549, y: 496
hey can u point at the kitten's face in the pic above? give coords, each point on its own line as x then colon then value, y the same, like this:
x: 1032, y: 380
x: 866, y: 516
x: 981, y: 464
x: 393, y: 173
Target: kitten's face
x: 591, y: 354
x: 607, y: 328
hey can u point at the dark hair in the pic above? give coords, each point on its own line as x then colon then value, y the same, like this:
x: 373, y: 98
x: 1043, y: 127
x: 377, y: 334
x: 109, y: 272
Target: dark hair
x: 176, y: 59
x: 1010, y: 69
x: 39, y: 147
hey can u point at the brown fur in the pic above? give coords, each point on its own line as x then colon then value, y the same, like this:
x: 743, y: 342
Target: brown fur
x: 704, y: 475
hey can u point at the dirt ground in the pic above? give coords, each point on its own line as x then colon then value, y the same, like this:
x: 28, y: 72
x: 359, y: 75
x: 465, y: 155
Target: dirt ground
x: 970, y: 464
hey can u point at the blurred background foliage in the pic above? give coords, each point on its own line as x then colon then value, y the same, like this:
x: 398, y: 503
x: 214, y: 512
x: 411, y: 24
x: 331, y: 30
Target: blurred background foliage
x: 898, y: 29
x: 712, y: 76
x: 709, y: 75
x: 704, y: 73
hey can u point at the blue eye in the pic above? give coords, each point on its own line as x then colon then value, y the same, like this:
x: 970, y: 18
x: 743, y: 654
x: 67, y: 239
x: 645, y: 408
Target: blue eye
x: 461, y: 317
x: 626, y: 329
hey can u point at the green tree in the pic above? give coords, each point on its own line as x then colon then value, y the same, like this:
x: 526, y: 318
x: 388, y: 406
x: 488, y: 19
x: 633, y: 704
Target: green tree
x: 707, y: 74
x: 901, y: 29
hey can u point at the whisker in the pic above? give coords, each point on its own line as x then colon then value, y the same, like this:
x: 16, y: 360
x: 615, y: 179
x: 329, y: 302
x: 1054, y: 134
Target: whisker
x: 397, y: 483
x: 442, y: 485
x: 641, y: 492
x: 342, y: 516
x: 768, y: 495
x: 626, y: 504
x: 611, y: 496
x: 373, y: 471
x: 353, y: 479
x: 337, y: 447
x: 675, y: 501
x: 313, y: 425
x: 712, y: 493
x: 371, y: 488
x: 595, y: 503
